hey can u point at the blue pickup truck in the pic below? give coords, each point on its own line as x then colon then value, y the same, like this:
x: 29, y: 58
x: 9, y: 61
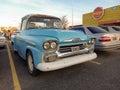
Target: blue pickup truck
x: 45, y: 46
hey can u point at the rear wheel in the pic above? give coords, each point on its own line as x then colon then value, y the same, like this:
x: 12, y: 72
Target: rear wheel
x: 30, y: 64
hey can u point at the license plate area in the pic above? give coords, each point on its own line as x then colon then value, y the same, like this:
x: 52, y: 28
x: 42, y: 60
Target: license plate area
x: 114, y: 38
x: 75, y: 49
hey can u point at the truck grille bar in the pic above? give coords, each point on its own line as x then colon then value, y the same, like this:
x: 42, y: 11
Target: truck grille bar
x: 64, y: 49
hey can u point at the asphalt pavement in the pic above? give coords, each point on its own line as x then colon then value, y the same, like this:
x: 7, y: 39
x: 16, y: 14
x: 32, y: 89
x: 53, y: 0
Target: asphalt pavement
x: 102, y: 73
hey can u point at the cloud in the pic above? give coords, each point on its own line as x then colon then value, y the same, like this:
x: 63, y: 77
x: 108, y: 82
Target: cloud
x: 28, y: 1
x: 42, y: 6
x: 9, y: 20
x: 59, y: 8
x: 112, y: 1
x: 19, y: 8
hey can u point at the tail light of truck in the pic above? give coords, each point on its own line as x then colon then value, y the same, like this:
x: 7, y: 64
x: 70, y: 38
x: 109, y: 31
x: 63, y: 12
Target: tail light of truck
x: 105, y: 39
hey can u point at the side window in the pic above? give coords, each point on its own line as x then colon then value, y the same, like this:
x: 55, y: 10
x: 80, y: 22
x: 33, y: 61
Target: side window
x: 23, y: 25
x: 105, y: 28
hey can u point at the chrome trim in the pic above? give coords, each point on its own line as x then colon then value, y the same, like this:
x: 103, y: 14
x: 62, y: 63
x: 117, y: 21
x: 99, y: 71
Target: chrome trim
x: 73, y: 40
x: 65, y: 49
x: 61, y: 55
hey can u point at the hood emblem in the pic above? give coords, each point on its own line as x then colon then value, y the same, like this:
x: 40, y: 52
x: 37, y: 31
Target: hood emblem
x: 73, y: 40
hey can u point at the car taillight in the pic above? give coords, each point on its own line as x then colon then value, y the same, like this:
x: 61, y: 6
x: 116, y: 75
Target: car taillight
x: 105, y: 39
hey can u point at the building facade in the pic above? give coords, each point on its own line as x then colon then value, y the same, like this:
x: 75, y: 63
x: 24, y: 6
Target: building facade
x: 100, y: 16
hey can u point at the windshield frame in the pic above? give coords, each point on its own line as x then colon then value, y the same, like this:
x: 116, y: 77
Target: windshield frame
x: 48, y: 23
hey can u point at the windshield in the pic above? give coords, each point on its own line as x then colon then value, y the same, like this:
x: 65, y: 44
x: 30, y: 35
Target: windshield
x: 105, y: 28
x: 41, y: 23
x: 116, y: 29
x: 95, y: 30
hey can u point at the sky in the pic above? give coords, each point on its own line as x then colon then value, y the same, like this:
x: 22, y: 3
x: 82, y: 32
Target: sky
x: 11, y: 11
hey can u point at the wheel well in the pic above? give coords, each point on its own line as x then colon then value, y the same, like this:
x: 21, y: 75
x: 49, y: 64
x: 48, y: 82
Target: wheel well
x: 28, y: 50
x: 33, y: 72
x: 12, y: 43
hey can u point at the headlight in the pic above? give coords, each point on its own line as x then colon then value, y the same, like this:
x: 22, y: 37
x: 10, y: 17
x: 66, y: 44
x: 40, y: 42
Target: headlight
x: 46, y: 45
x: 91, y: 41
x: 49, y: 45
x: 53, y: 44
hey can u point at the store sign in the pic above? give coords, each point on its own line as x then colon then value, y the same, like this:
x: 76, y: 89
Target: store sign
x: 98, y: 13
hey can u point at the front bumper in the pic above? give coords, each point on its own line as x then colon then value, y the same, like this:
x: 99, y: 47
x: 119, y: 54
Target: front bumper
x: 66, y: 62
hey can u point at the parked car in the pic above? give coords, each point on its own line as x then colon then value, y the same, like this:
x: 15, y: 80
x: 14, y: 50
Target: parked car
x: 2, y: 40
x: 111, y: 29
x: 46, y: 46
x: 105, y: 41
x: 117, y: 28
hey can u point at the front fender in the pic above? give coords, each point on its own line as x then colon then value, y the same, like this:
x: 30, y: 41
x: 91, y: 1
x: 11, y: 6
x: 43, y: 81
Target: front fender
x: 37, y: 54
x: 90, y: 36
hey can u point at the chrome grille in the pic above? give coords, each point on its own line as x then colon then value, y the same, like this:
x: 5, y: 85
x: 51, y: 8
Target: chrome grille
x: 64, y: 49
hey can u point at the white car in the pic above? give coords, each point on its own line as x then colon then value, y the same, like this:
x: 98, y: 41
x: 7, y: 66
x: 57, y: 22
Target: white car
x: 2, y: 40
x: 111, y: 29
x: 105, y: 41
x: 117, y: 28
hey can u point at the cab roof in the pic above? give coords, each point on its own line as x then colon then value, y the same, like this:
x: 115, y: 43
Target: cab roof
x: 38, y: 15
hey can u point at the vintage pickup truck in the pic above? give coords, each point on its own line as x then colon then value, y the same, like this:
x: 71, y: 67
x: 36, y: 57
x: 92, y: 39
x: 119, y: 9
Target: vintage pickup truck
x: 45, y: 46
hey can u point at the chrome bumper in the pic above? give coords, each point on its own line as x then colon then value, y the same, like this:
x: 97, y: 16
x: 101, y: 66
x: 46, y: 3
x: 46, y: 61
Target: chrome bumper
x: 61, y: 55
x: 66, y: 62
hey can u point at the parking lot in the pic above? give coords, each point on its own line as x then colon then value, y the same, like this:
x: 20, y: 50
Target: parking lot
x: 100, y: 74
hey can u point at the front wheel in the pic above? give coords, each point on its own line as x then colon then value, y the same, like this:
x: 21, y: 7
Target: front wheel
x: 30, y: 64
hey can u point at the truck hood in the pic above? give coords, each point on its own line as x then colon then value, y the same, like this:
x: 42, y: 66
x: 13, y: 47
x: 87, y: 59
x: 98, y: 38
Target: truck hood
x: 60, y: 35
